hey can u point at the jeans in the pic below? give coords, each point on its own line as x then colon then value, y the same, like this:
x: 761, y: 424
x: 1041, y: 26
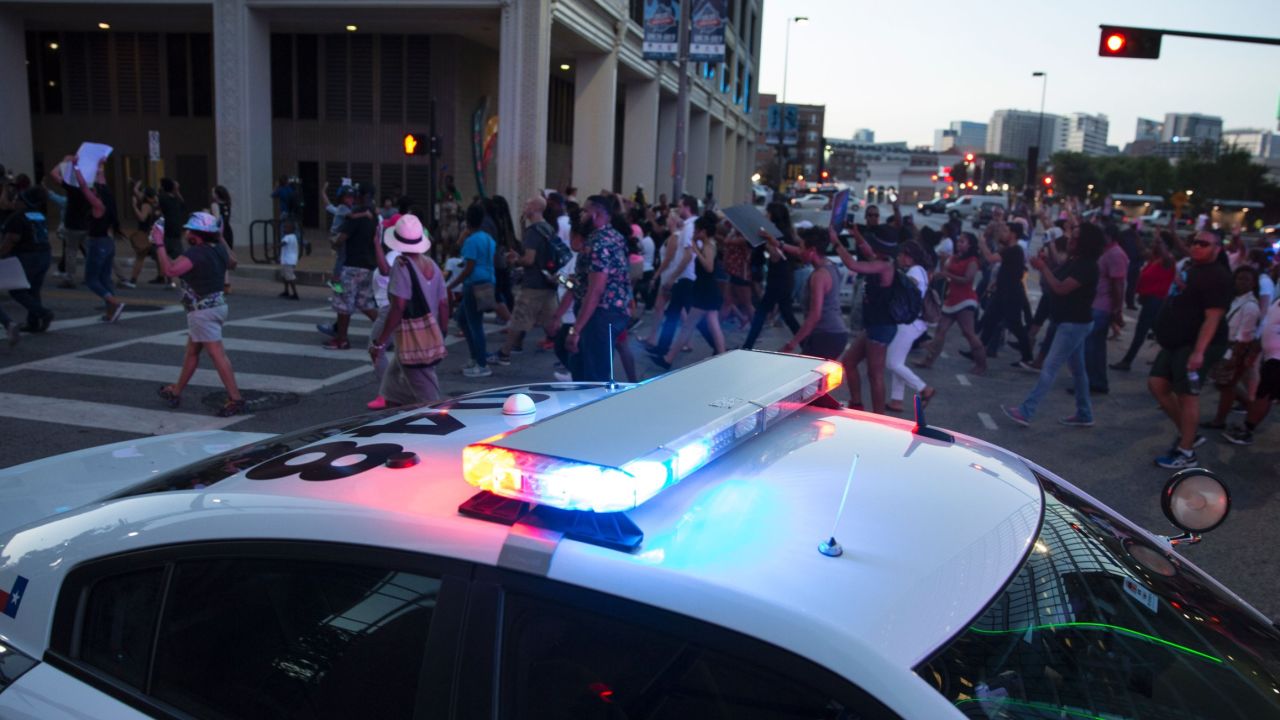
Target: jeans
x: 472, y: 322
x: 777, y: 293
x: 35, y: 265
x: 1151, y: 305
x: 1068, y: 347
x: 100, y: 265
x: 595, y: 347
x: 1007, y: 311
x: 1095, y: 351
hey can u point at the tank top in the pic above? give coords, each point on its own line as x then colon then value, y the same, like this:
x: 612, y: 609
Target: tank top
x: 957, y: 290
x: 875, y: 304
x: 704, y: 280
x: 145, y: 224
x: 830, y: 321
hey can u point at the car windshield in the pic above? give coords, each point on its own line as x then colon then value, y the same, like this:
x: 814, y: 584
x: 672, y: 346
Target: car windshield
x: 1102, y: 623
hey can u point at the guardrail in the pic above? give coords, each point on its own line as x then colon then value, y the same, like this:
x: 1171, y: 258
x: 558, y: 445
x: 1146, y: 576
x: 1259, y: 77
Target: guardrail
x: 264, y: 241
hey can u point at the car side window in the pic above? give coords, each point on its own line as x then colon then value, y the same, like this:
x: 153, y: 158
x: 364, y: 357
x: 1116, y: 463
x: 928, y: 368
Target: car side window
x: 561, y: 662
x: 119, y: 624
x: 289, y: 639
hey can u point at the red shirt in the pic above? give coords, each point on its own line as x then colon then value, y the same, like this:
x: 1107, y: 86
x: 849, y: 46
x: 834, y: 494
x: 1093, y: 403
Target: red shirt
x: 1155, y: 279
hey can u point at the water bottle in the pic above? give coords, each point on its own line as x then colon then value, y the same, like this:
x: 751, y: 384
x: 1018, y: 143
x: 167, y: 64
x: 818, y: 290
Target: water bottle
x: 1193, y: 382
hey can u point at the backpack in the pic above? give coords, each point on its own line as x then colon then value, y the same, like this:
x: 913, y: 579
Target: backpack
x: 905, y: 303
x: 558, y: 253
x: 39, y: 229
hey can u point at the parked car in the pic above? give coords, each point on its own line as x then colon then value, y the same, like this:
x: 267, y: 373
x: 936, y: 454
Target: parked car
x: 812, y: 201
x: 986, y: 211
x: 967, y: 205
x: 937, y: 205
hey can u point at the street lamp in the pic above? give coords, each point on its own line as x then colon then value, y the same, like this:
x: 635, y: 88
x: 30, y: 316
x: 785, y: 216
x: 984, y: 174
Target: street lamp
x: 786, y: 60
x: 1033, y: 167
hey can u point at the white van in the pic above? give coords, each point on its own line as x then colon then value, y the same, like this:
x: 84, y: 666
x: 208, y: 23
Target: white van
x: 968, y: 205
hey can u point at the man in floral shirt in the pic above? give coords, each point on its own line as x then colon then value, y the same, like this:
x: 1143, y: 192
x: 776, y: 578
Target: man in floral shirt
x: 603, y: 314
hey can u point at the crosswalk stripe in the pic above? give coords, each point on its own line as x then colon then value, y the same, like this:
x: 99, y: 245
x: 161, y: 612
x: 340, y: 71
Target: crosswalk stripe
x: 271, y: 347
x: 293, y: 326
x: 168, y: 373
x: 103, y: 415
x: 96, y: 319
x: 987, y: 422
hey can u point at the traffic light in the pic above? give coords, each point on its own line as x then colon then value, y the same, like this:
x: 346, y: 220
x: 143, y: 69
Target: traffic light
x: 968, y: 157
x: 1127, y: 42
x: 413, y: 144
x: 826, y: 175
x: 1048, y: 181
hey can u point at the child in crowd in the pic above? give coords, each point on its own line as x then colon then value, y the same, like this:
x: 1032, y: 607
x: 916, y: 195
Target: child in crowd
x: 289, y: 260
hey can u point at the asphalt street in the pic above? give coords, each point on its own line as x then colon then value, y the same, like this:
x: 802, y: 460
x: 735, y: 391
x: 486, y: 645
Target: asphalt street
x: 87, y: 383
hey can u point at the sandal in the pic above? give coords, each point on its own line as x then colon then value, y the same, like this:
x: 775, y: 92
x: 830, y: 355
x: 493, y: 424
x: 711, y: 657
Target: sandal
x: 170, y: 398
x: 232, y: 407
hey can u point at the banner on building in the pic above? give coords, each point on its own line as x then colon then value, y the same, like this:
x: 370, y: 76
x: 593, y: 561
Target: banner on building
x: 661, y: 29
x: 790, y: 125
x: 706, y: 32
x: 773, y: 130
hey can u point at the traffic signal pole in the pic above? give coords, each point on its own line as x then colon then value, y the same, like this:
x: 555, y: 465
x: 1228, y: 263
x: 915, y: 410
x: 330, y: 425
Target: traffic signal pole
x: 682, y: 107
x: 1144, y: 43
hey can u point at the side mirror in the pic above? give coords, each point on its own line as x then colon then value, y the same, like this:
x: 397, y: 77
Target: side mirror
x: 1196, y: 501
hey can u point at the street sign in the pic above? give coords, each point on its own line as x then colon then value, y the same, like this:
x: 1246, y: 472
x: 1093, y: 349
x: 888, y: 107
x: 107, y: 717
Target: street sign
x: 773, y: 131
x: 153, y: 145
x: 790, y: 125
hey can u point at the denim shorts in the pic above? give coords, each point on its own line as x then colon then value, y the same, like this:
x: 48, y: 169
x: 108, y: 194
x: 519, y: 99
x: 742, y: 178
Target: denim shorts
x: 882, y: 334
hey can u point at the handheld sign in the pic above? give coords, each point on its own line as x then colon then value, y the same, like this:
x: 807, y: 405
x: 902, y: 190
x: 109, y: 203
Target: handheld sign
x: 749, y: 220
x: 839, y: 209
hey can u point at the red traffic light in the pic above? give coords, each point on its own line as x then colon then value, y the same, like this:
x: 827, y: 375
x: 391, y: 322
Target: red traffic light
x: 825, y: 174
x: 1048, y: 179
x: 1128, y: 42
x: 968, y: 157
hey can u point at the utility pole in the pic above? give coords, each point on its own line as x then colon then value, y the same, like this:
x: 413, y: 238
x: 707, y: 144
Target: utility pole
x: 682, y: 105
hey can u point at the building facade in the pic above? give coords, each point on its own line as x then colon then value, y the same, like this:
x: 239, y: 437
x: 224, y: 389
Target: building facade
x: 805, y: 158
x: 1011, y: 132
x: 523, y: 96
x: 1087, y: 134
x: 1148, y: 130
x: 864, y: 135
x: 1260, y: 143
x: 962, y: 135
x: 1191, y: 128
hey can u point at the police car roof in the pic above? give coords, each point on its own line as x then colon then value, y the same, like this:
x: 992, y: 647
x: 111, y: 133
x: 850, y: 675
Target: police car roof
x: 931, y: 530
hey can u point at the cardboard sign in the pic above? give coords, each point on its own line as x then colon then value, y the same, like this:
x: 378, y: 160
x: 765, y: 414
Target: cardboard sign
x: 749, y: 220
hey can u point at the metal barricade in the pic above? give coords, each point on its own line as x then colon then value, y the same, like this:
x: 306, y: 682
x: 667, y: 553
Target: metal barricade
x: 264, y: 241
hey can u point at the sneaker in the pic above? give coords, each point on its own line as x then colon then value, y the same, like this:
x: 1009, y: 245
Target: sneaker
x: 500, y: 359
x: 115, y: 313
x: 1076, y: 421
x: 1178, y: 459
x: 1014, y: 414
x: 128, y: 284
x: 326, y: 329
x: 476, y: 371
x: 562, y: 376
x: 1239, y: 436
x: 377, y: 403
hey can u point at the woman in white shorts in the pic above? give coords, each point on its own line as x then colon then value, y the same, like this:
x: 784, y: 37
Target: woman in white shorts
x: 202, y: 269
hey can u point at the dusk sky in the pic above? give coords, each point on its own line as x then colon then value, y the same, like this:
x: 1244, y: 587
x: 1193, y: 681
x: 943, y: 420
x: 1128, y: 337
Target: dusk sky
x: 906, y: 68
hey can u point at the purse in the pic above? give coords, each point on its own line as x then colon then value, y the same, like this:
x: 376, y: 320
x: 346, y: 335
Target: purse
x: 485, y: 296
x: 419, y: 342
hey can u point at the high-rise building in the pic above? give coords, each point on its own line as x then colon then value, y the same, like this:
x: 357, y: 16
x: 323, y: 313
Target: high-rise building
x: 1011, y: 132
x: 1087, y: 133
x: 968, y: 136
x: 1148, y: 130
x: 864, y: 135
x: 1262, y: 144
x: 1191, y: 127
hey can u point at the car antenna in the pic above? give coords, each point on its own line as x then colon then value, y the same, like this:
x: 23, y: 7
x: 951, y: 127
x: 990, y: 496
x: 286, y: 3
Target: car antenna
x: 613, y: 385
x: 922, y: 426
x: 830, y: 547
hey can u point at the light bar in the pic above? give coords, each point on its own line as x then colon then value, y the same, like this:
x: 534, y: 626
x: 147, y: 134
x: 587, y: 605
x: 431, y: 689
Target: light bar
x: 708, y: 410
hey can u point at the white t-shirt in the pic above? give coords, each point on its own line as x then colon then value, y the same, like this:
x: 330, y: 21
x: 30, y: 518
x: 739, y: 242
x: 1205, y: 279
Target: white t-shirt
x: 685, y: 249
x: 946, y: 247
x: 562, y: 228
x: 289, y: 249
x: 381, y: 281
x: 1266, y: 289
x: 452, y: 267
x: 921, y: 276
x: 647, y: 249
x: 1243, y: 318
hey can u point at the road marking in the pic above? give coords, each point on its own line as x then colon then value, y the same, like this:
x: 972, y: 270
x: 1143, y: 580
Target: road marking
x: 167, y: 373
x: 963, y: 380
x: 269, y: 347
x: 987, y: 422
x: 113, y: 417
x: 96, y: 319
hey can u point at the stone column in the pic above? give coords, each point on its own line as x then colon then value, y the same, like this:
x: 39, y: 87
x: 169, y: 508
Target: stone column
x: 595, y: 97
x: 715, y: 160
x: 746, y: 166
x: 727, y: 183
x: 699, y: 130
x: 242, y: 111
x: 640, y: 139
x: 666, y: 146
x: 524, y: 68
x: 17, y: 148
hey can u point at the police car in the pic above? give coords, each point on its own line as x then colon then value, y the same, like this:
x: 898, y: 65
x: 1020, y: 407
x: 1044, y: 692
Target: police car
x: 721, y: 542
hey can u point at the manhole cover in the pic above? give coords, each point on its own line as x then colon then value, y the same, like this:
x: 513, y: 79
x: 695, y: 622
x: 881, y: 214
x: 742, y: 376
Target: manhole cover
x: 254, y: 400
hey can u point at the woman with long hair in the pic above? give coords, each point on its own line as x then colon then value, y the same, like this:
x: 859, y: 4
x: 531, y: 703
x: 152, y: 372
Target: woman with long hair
x: 146, y: 208
x: 878, y: 326
x: 913, y: 260
x: 1074, y: 285
x: 780, y: 278
x: 960, y: 305
x: 1154, y: 280
x: 220, y: 207
x: 504, y: 234
x: 823, y: 332
x: 706, y: 294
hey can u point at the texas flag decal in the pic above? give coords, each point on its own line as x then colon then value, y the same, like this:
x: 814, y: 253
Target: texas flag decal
x: 9, y: 601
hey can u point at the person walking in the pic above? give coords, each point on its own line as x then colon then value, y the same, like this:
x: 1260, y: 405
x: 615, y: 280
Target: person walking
x: 779, y: 284
x: 537, y: 299
x: 146, y: 211
x: 201, y: 268
x: 25, y: 235
x: 911, y: 259
x: 411, y: 272
x: 100, y: 264
x: 706, y: 299
x: 1242, y: 346
x: 353, y: 287
x: 959, y: 305
x: 878, y: 326
x: 678, y: 276
x: 1154, y: 280
x: 476, y: 278
x: 1008, y: 306
x: 75, y: 225
x: 603, y: 314
x: 220, y: 207
x: 823, y: 333
x: 1074, y: 285
x: 1269, y: 379
x: 174, y: 210
x: 1108, y: 309
x: 1192, y: 339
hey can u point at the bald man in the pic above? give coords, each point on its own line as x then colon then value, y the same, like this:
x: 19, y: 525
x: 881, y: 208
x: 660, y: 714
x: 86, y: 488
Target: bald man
x: 537, y: 300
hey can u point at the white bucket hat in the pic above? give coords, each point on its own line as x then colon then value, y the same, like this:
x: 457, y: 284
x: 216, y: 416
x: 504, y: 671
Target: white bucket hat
x: 407, y: 235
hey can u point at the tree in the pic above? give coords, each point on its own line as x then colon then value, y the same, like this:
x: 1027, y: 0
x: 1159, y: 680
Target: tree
x: 1073, y: 173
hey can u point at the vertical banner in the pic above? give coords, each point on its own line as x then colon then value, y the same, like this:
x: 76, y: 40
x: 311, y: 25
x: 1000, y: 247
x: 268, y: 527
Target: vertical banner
x: 661, y: 29
x: 773, y: 131
x: 790, y: 125
x: 706, y: 34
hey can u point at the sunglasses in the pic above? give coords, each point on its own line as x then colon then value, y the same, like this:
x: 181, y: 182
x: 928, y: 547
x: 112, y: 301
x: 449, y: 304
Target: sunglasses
x: 1202, y: 243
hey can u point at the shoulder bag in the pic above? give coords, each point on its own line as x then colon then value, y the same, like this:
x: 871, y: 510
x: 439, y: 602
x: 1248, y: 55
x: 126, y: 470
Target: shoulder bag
x: 419, y: 343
